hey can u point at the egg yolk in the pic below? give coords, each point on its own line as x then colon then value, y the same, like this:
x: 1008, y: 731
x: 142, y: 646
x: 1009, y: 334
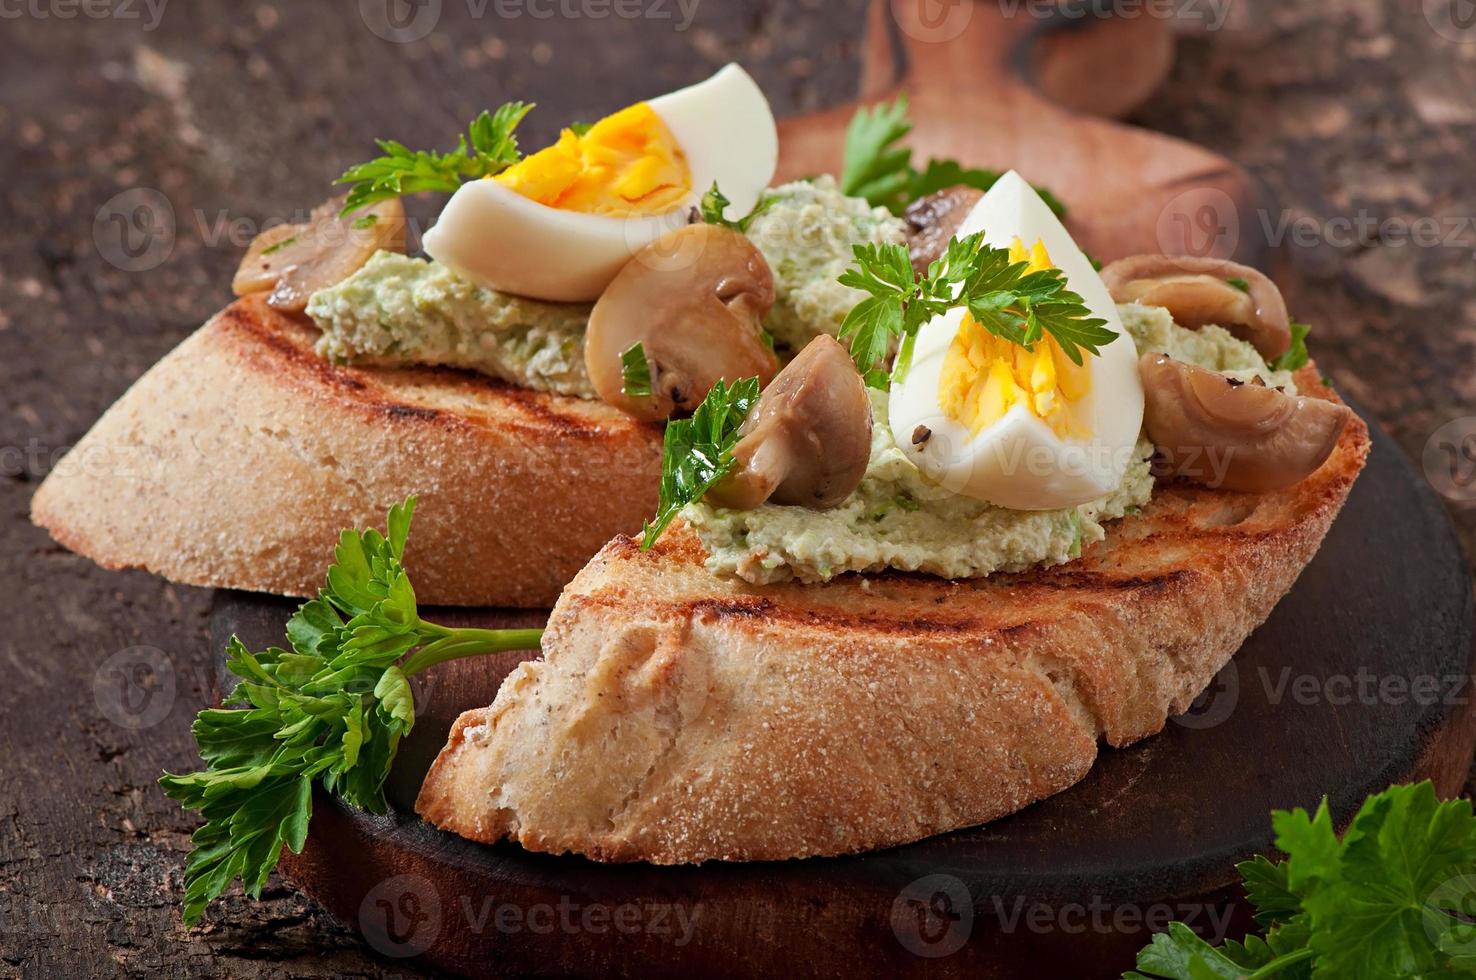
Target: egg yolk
x: 984, y: 376
x: 625, y: 164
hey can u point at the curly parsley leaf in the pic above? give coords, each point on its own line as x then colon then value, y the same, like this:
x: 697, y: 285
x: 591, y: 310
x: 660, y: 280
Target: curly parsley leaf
x: 877, y: 168
x: 635, y: 371
x: 698, y: 451
x: 714, y: 205
x: 493, y: 148
x: 332, y: 709
x: 1001, y: 295
x: 1296, y: 355
x: 1389, y: 899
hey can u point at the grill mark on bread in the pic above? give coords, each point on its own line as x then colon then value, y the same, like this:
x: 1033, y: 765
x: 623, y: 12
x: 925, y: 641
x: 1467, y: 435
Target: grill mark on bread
x: 1083, y: 582
x: 738, y: 607
x: 411, y: 412
x: 248, y: 318
x: 537, y: 408
x: 822, y: 618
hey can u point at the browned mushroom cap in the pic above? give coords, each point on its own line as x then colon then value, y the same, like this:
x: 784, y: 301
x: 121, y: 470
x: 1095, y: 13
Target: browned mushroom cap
x: 933, y: 220
x: 1221, y: 432
x: 1198, y: 291
x: 295, y: 261
x: 694, y: 300
x: 808, y: 440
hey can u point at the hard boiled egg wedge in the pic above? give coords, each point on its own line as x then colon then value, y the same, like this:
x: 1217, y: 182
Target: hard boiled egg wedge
x: 558, y: 225
x: 1023, y: 429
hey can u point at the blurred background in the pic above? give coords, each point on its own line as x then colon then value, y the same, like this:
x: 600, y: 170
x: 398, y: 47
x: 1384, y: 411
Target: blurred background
x: 1358, y: 116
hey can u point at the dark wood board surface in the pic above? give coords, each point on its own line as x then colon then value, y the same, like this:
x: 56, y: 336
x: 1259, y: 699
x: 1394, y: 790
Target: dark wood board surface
x: 1355, y: 112
x: 1355, y: 681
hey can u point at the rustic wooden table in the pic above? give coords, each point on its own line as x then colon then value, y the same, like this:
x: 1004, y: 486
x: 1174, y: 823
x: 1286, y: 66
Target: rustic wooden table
x: 1360, y: 115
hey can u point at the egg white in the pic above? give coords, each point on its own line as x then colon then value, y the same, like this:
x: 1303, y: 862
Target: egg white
x: 1020, y: 462
x: 497, y: 237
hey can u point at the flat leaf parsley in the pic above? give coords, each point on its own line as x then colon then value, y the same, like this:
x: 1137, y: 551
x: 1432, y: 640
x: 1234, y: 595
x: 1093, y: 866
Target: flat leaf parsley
x: 877, y: 168
x: 635, y: 371
x: 330, y: 709
x: 1296, y: 355
x: 1392, y: 898
x: 1002, y: 296
x: 698, y: 451
x: 492, y: 149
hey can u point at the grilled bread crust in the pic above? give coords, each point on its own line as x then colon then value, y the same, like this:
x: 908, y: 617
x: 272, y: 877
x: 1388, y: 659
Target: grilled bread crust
x: 677, y: 717
x: 237, y: 459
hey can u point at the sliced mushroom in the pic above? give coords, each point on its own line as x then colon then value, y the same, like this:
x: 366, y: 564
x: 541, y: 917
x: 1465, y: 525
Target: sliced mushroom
x: 1221, y: 432
x: 808, y: 440
x: 933, y: 220
x: 1199, y: 291
x: 295, y: 261
x: 694, y: 300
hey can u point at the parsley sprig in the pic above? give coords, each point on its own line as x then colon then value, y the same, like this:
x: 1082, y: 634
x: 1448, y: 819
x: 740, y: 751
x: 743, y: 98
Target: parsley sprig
x: 1388, y: 899
x: 877, y: 168
x: 635, y: 371
x: 492, y: 149
x: 698, y: 451
x: 1295, y: 358
x: 1001, y: 295
x: 330, y: 709
x: 714, y: 205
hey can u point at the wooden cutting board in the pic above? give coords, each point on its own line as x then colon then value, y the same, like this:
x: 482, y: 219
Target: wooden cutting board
x: 1357, y: 680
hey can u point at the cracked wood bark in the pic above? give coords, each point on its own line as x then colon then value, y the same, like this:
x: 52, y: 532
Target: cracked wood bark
x: 245, y: 111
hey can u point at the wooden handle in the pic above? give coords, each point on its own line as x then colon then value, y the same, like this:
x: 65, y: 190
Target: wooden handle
x: 982, y: 52
x: 1025, y: 85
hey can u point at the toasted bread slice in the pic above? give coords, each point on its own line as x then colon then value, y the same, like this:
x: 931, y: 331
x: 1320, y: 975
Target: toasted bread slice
x: 236, y: 461
x: 677, y: 717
